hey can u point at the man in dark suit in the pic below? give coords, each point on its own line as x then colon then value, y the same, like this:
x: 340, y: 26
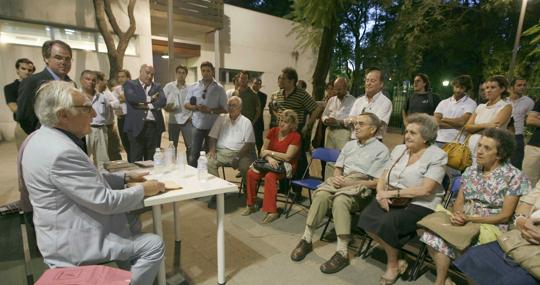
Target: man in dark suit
x: 57, y: 56
x: 144, y: 120
x: 258, y: 126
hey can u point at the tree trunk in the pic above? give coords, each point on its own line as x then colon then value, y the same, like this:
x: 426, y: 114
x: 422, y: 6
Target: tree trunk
x: 324, y: 59
x: 115, y: 54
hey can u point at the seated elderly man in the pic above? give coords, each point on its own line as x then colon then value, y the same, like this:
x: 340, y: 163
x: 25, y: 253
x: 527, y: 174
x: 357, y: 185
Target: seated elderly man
x: 357, y: 170
x: 79, y: 218
x: 232, y: 141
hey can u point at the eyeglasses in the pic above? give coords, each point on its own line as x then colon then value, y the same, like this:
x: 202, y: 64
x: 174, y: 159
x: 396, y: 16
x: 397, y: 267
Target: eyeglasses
x: 360, y: 124
x: 233, y: 106
x: 62, y: 58
x: 85, y: 108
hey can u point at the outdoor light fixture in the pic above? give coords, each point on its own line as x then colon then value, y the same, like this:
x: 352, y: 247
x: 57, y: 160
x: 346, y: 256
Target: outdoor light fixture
x: 165, y: 56
x: 445, y: 83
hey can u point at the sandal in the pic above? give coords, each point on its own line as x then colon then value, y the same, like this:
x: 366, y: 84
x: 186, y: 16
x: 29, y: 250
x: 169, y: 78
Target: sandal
x: 248, y: 211
x: 270, y: 217
x: 402, y: 268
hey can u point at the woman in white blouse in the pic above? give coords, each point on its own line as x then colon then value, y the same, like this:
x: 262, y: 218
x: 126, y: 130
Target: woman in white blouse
x: 415, y: 172
x: 495, y: 113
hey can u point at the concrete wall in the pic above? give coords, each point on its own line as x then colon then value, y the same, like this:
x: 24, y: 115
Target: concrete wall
x: 78, y: 13
x: 251, y: 41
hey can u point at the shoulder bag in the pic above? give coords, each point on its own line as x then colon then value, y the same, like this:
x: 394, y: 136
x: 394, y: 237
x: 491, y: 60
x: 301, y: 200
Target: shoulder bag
x: 459, y: 154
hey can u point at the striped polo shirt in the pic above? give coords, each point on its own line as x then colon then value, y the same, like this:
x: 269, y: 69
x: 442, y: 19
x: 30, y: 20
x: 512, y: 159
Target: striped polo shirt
x: 299, y: 101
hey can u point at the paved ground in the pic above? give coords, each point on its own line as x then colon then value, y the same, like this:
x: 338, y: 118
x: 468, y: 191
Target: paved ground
x: 255, y: 253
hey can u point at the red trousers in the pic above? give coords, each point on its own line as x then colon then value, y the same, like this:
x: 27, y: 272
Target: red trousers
x: 271, y: 180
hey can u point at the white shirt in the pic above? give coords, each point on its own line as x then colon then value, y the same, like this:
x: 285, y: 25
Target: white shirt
x: 338, y: 109
x: 103, y: 109
x: 121, y: 109
x: 177, y: 96
x: 380, y: 105
x: 450, y: 108
x: 231, y: 134
x: 113, y: 103
x: 149, y: 114
x: 520, y: 108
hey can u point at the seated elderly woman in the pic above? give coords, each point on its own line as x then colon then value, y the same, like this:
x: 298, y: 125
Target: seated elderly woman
x: 501, y: 268
x: 280, y: 149
x: 489, y: 194
x: 415, y: 171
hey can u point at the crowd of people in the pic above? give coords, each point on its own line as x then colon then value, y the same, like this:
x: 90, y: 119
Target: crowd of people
x: 65, y: 194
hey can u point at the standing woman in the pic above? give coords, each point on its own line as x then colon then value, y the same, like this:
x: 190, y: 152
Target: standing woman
x: 415, y: 171
x: 281, y: 145
x: 495, y: 113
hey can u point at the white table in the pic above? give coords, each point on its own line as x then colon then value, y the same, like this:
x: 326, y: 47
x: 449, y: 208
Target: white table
x: 191, y: 188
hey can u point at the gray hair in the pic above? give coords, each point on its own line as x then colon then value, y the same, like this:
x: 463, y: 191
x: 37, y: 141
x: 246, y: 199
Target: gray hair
x: 51, y: 98
x: 428, y: 126
x: 237, y: 98
x: 375, y: 121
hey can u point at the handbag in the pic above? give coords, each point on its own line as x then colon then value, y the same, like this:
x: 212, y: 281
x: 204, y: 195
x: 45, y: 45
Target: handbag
x: 396, y: 202
x: 459, y: 237
x: 459, y: 154
x: 261, y: 164
x: 524, y: 253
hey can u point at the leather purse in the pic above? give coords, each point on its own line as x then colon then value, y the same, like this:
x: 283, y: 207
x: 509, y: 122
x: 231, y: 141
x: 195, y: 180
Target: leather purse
x: 262, y: 165
x: 459, y: 154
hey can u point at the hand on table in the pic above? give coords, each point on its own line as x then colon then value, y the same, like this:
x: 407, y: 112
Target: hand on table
x: 152, y: 187
x: 136, y: 176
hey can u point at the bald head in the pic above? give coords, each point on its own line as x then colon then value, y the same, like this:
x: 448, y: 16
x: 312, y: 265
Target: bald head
x: 146, y: 74
x: 341, y: 87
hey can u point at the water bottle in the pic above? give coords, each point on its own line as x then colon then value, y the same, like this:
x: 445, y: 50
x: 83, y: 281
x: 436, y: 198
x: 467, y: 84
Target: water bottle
x: 170, y: 155
x: 181, y: 162
x: 159, y: 162
x: 202, y: 167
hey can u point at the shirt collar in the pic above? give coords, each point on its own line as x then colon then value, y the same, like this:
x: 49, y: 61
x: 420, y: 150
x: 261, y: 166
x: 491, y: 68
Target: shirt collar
x: 460, y: 100
x: 368, y: 142
x: 79, y: 142
x: 55, y: 77
x: 375, y: 97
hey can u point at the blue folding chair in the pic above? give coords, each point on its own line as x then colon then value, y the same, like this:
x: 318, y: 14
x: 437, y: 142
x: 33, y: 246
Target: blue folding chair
x: 311, y: 183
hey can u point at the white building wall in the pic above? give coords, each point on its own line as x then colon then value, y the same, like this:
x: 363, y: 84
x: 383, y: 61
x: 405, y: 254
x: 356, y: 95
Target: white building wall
x: 253, y: 41
x: 75, y: 13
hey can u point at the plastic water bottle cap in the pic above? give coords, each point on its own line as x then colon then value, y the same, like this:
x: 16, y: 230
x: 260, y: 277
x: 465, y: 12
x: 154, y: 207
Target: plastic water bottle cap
x: 202, y: 153
x: 158, y: 149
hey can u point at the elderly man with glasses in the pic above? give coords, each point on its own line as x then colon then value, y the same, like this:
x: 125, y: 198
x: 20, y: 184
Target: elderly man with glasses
x: 232, y: 140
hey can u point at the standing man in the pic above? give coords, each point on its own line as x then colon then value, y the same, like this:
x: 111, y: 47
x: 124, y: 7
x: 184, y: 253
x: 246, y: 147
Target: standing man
x: 24, y: 68
x: 336, y: 111
x: 231, y: 140
x: 144, y: 120
x: 453, y: 113
x: 122, y: 76
x: 422, y: 100
x: 251, y: 105
x: 521, y: 105
x: 206, y: 99
x: 292, y: 97
x: 97, y: 139
x: 79, y: 218
x: 57, y: 56
x: 531, y: 163
x: 179, y: 117
x: 374, y: 100
x: 113, y: 141
x: 258, y: 126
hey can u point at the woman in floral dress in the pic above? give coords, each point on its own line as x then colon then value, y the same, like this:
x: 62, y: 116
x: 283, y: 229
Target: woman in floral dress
x: 489, y: 194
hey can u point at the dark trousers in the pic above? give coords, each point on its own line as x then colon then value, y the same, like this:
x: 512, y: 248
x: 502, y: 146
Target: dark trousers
x: 517, y: 156
x: 123, y: 135
x: 258, y: 130
x: 199, y: 142
x: 143, y: 146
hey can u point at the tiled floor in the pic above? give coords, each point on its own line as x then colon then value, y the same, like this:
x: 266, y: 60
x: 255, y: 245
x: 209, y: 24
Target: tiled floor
x: 255, y: 253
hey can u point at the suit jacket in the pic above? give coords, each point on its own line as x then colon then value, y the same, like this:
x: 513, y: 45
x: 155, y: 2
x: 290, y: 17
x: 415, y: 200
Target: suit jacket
x: 78, y: 217
x: 27, y: 96
x: 135, y: 96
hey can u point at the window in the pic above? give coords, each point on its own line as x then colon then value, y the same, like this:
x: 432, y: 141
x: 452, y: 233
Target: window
x: 29, y: 34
